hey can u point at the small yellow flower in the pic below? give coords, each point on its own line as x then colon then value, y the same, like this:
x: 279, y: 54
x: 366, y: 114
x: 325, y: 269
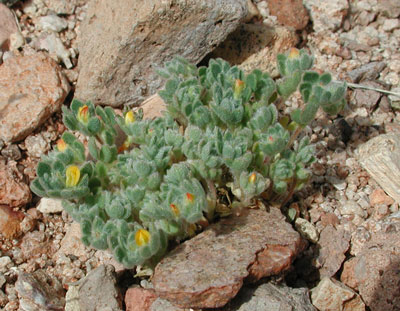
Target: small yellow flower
x: 83, y: 114
x: 72, y: 176
x: 142, y: 237
x: 61, y: 145
x: 252, y: 178
x: 190, y: 197
x: 129, y: 117
x: 175, y: 209
x: 294, y: 53
x: 239, y: 86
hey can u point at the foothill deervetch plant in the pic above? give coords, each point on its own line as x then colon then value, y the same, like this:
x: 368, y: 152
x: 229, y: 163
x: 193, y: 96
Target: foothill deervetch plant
x: 221, y: 130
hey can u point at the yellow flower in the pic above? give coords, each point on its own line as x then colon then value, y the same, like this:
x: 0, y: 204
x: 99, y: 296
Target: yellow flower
x: 72, y: 176
x: 142, y: 237
x: 83, y: 114
x: 129, y: 117
x: 189, y: 197
x: 61, y: 145
x: 294, y: 53
x: 252, y: 178
x: 175, y: 209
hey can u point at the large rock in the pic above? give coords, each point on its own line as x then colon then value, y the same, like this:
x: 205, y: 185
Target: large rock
x: 7, y: 26
x: 291, y: 13
x: 122, y: 42
x: 14, y: 192
x: 31, y: 89
x: 208, y: 270
x: 374, y: 272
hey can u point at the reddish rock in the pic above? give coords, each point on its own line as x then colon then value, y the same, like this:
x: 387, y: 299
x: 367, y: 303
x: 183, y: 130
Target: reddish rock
x: 14, y: 192
x: 333, y: 244
x: 7, y: 26
x: 139, y: 299
x: 31, y: 89
x: 10, y: 222
x: 34, y: 244
x: 291, y: 13
x: 208, y: 270
x: 378, y: 196
x: 329, y: 219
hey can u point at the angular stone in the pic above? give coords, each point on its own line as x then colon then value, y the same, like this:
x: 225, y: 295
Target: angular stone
x: 122, y: 42
x: 333, y: 244
x: 291, y: 13
x: 71, y: 244
x: 208, y: 270
x: 270, y: 297
x: 327, y: 17
x: 10, y: 222
x: 8, y: 26
x: 380, y: 157
x: 98, y: 290
x: 50, y: 206
x: 367, y: 98
x: 254, y: 46
x: 306, y: 229
x: 139, y: 299
x: 34, y: 244
x: 14, y: 192
x: 31, y: 89
x: 368, y: 71
x: 378, y: 196
x: 39, y: 292
x: 333, y: 295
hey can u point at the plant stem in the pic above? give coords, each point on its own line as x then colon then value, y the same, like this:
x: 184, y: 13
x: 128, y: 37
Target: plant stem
x: 294, y: 136
x: 359, y: 86
x: 290, y: 193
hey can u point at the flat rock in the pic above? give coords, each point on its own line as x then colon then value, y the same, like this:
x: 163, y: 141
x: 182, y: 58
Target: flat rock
x: 122, y: 42
x: 139, y: 299
x: 50, y: 206
x: 368, y: 71
x: 270, y: 297
x: 332, y: 244
x: 291, y: 13
x: 71, y: 244
x: 8, y: 26
x: 31, y: 89
x: 10, y: 222
x: 380, y: 157
x: 14, y: 192
x: 374, y: 271
x: 209, y: 269
x: 39, y: 291
x: 332, y: 295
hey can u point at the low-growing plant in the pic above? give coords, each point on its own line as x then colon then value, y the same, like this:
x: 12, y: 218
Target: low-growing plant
x: 221, y: 130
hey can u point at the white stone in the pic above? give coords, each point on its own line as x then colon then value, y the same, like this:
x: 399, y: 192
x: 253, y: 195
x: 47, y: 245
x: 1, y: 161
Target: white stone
x: 54, y: 45
x: 5, y: 263
x: 390, y: 24
x: 307, y: 229
x: 352, y: 208
x: 52, y: 23
x: 16, y: 41
x: 50, y: 206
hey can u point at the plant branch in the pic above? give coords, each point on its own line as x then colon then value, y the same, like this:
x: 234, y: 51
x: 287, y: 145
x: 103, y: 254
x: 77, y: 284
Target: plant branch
x: 360, y: 86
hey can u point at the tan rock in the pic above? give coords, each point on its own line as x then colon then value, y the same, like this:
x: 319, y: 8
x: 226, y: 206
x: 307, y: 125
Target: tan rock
x: 14, y: 192
x: 209, y: 269
x: 378, y: 196
x: 380, y: 157
x: 50, y: 206
x: 31, y: 89
x: 7, y: 26
x: 334, y: 296
x: 71, y: 244
x: 254, y: 46
x: 10, y: 222
x: 139, y: 299
x: 122, y: 42
x: 290, y: 13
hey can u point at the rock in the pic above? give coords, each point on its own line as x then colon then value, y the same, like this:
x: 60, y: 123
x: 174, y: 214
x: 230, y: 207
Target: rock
x: 254, y: 46
x: 270, y: 297
x: 291, y: 13
x: 389, y: 8
x: 17, y: 41
x: 11, y: 152
x: 50, y: 206
x: 334, y: 296
x: 34, y: 244
x: 367, y: 98
x: 164, y: 305
x: 52, y: 43
x: 98, y: 291
x: 5, y: 264
x: 391, y: 24
x: 13, y: 190
x: 374, y: 271
x: 122, y: 42
x: 72, y: 298
x: 368, y: 71
x: 39, y: 291
x: 380, y: 157
x: 306, y: 229
x: 52, y: 23
x: 10, y: 222
x: 36, y: 145
x: 378, y: 196
x: 7, y: 27
x: 327, y: 17
x: 208, y: 270
x: 139, y: 299
x: 31, y: 89
x: 153, y: 107
x: 71, y: 244
x: 333, y: 244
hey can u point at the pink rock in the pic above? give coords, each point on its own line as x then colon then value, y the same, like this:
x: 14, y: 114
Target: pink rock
x: 31, y: 89
x: 378, y: 196
x: 10, y: 222
x: 7, y: 26
x: 139, y: 299
x: 208, y: 270
x: 290, y: 13
x: 14, y: 192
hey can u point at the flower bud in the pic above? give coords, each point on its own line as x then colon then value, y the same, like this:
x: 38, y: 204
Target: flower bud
x: 252, y: 178
x: 239, y: 86
x: 294, y: 53
x: 61, y: 145
x: 72, y: 176
x: 189, y: 197
x: 83, y: 114
x: 129, y: 117
x: 142, y: 237
x: 175, y: 209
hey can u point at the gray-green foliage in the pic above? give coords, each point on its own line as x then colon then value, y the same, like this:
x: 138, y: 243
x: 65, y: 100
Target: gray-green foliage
x: 221, y: 130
